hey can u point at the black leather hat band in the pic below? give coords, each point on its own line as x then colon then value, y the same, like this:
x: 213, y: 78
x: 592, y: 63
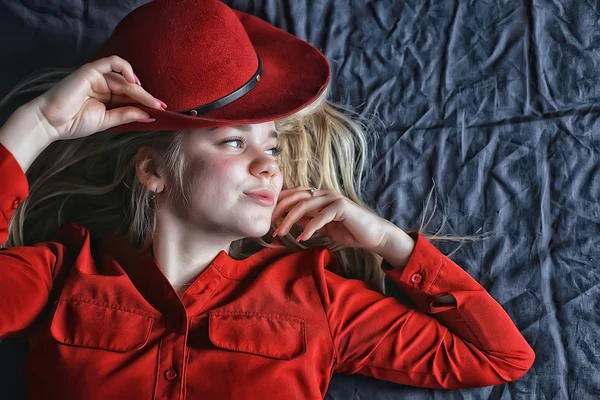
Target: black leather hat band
x: 230, y: 98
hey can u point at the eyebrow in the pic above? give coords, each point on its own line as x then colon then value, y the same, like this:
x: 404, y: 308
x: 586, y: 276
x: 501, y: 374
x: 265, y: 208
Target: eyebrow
x: 247, y: 128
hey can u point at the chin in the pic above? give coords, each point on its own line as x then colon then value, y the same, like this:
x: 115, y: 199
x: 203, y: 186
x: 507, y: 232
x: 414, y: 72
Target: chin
x: 258, y: 232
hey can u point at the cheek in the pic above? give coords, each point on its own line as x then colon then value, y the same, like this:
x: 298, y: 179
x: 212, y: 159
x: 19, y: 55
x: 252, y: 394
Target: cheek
x: 215, y: 178
x: 222, y: 170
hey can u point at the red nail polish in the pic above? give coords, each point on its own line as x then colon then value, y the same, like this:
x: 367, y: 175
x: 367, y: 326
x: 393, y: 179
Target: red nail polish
x: 146, y: 120
x: 137, y: 79
x: 162, y: 103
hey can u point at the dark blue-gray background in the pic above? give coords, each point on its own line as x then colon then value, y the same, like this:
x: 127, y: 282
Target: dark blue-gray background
x: 494, y: 101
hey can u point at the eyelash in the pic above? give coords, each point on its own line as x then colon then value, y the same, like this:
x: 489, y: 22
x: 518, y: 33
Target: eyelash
x: 277, y: 150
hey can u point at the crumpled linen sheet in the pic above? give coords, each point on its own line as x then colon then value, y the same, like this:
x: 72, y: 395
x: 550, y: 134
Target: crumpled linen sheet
x: 493, y: 104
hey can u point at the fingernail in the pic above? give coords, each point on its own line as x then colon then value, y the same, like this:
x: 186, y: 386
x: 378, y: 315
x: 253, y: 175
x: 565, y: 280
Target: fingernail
x: 146, y: 120
x: 275, y: 232
x: 162, y: 103
x: 137, y: 79
x: 298, y: 239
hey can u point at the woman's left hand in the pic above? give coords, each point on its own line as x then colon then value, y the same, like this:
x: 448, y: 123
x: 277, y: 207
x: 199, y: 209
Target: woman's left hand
x: 333, y: 214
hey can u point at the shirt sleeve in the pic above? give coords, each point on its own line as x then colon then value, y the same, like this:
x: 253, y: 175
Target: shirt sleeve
x: 471, y: 344
x: 26, y: 272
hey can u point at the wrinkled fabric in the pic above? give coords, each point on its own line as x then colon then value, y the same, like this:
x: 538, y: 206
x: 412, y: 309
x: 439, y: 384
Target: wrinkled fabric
x: 493, y: 101
x: 104, y: 322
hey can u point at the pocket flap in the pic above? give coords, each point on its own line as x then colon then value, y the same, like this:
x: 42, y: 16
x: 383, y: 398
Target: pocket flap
x: 268, y: 335
x: 85, y: 324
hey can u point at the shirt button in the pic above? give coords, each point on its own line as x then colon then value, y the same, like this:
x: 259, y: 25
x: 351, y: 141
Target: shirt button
x: 170, y: 374
x: 15, y: 203
x: 416, y: 278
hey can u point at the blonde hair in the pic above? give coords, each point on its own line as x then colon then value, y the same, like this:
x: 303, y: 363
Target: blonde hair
x: 92, y: 181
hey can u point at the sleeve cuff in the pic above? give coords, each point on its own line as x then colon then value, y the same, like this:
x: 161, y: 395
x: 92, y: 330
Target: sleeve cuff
x: 420, y: 273
x: 15, y: 187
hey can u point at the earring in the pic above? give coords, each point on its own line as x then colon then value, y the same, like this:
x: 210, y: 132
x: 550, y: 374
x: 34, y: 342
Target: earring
x: 153, y: 194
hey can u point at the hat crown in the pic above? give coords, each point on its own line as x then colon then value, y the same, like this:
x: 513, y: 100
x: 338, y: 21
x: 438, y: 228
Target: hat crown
x: 186, y: 52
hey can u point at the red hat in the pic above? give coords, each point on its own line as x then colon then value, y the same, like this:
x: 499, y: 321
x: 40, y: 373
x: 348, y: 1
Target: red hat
x: 214, y: 66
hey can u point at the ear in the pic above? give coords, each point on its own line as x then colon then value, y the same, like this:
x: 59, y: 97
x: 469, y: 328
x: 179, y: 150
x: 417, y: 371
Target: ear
x: 148, y: 170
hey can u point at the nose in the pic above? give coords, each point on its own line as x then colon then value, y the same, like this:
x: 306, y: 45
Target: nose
x: 265, y: 165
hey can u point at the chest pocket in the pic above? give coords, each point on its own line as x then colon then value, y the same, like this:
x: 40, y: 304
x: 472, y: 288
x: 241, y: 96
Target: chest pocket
x: 83, y: 324
x: 268, y: 335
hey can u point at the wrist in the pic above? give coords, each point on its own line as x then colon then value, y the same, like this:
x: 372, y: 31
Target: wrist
x: 24, y: 135
x: 397, y: 247
x: 45, y: 132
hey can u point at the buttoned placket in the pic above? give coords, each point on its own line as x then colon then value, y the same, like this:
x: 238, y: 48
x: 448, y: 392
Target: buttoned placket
x: 173, y: 349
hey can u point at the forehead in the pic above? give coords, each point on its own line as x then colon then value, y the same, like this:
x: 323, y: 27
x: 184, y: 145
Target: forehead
x: 265, y: 129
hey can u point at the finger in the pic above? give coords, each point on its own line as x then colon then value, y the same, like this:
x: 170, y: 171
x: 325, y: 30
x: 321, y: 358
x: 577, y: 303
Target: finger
x: 296, y: 195
x: 123, y: 99
x: 325, y: 216
x: 302, y: 222
x: 284, y: 205
x: 124, y: 92
x: 301, y: 209
x: 122, y: 115
x: 288, y: 192
x: 114, y: 63
x: 288, y: 197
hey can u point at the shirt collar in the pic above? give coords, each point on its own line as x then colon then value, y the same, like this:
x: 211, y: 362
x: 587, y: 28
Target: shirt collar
x: 118, y: 247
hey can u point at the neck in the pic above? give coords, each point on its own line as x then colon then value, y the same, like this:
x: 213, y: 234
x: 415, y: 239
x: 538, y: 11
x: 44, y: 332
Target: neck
x: 183, y: 254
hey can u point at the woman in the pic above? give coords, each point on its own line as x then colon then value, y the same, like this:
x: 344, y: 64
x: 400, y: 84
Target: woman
x: 147, y: 289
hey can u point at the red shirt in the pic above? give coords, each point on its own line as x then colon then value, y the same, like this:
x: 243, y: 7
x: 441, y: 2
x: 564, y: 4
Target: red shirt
x: 105, y: 323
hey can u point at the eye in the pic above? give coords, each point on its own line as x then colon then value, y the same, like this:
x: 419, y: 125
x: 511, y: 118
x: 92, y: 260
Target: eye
x: 235, y: 140
x: 276, y: 150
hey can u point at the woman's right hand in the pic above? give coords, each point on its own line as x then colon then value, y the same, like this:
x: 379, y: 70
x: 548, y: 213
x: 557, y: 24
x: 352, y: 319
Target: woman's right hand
x: 75, y: 106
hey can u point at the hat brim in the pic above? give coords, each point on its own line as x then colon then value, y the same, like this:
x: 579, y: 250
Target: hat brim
x: 294, y: 75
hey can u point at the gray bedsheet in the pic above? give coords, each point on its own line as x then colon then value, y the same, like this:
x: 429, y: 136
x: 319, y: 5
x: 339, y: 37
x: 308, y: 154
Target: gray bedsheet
x: 493, y: 101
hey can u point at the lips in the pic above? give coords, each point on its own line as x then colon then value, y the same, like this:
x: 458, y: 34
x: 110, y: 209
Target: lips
x: 263, y: 193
